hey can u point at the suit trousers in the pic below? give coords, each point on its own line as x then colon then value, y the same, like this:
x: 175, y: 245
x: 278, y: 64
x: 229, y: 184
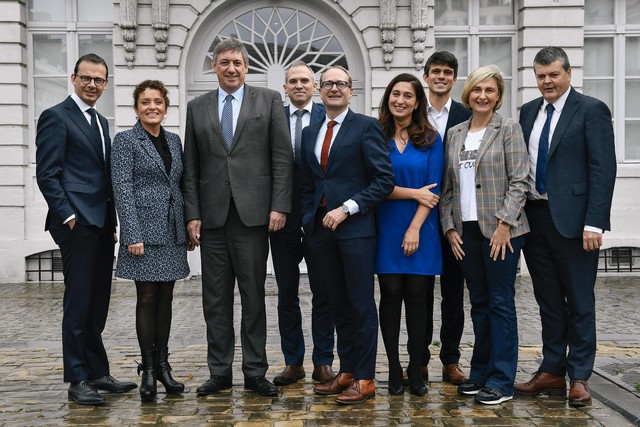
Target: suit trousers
x: 287, y: 249
x: 87, y: 263
x: 491, y: 287
x: 345, y: 268
x: 235, y: 251
x: 564, y: 277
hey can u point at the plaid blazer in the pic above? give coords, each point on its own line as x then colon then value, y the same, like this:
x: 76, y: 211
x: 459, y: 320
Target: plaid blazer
x: 502, y: 167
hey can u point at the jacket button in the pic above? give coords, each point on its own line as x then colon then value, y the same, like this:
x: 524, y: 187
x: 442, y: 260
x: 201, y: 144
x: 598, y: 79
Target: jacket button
x: 226, y: 182
x: 228, y: 159
x: 478, y: 186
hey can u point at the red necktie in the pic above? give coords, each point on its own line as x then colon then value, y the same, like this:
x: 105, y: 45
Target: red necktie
x: 326, y: 143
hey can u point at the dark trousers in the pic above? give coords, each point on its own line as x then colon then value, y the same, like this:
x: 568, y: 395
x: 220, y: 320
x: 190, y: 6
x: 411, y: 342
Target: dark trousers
x: 232, y: 252
x: 287, y: 249
x: 87, y: 263
x: 564, y: 277
x: 451, y: 308
x: 345, y: 270
x: 491, y: 287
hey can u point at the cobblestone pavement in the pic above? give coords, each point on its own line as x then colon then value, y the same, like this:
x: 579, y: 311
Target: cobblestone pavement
x: 32, y: 392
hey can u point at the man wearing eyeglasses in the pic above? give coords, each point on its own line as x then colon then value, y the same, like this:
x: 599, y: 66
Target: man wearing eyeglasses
x: 73, y: 173
x: 346, y: 172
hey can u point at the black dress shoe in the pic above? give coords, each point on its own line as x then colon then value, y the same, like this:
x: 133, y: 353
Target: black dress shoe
x: 110, y: 384
x: 260, y: 385
x: 418, y: 390
x: 395, y: 390
x: 84, y: 394
x: 214, y: 385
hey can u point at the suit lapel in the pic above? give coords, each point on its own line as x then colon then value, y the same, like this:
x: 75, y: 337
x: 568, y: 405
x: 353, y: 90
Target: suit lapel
x: 213, y: 116
x: 493, y: 128
x: 339, y: 138
x: 149, y: 148
x: 248, y: 102
x: 78, y: 117
x: 309, y: 149
x: 568, y: 111
x: 528, y: 119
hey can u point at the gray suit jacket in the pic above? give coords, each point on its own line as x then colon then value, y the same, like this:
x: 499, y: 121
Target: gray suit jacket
x: 258, y: 170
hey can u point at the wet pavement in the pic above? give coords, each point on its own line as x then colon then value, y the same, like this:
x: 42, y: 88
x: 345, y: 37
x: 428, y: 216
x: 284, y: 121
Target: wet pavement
x: 32, y: 392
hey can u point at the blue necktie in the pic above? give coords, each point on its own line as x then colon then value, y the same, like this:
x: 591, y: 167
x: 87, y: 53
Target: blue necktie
x: 543, y: 153
x: 298, y: 133
x: 97, y: 138
x: 226, y: 123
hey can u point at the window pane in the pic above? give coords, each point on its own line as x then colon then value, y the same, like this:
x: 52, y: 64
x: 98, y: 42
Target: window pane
x: 50, y: 54
x: 633, y: 11
x: 496, y: 12
x: 497, y: 51
x: 601, y: 89
x: 632, y: 58
x: 598, y: 12
x: 49, y: 91
x: 100, y: 44
x: 505, y: 109
x: 95, y: 10
x: 632, y: 143
x: 459, y: 47
x: 46, y: 10
x: 598, y: 56
x: 631, y: 97
x: 453, y: 12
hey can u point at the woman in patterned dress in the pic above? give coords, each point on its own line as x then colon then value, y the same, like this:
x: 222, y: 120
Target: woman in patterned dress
x: 408, y: 250
x: 146, y: 171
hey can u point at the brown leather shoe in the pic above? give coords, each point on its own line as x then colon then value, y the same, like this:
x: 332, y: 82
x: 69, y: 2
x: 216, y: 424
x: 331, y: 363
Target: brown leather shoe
x: 542, y: 383
x: 579, y: 394
x: 336, y: 386
x: 358, y: 392
x: 425, y: 375
x: 453, y: 374
x: 290, y: 375
x: 323, y: 374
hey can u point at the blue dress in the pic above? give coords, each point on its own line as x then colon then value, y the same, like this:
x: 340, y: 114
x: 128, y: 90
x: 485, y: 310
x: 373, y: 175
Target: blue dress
x: 413, y: 168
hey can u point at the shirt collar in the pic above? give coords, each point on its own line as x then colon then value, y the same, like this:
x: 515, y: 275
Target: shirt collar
x: 81, y: 104
x: 446, y: 106
x: 339, y: 118
x: 559, y: 104
x: 238, y: 94
x: 293, y: 108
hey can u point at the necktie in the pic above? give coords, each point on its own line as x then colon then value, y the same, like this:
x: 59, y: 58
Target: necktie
x: 227, y: 121
x: 298, y: 133
x: 97, y: 138
x: 326, y: 143
x: 543, y: 153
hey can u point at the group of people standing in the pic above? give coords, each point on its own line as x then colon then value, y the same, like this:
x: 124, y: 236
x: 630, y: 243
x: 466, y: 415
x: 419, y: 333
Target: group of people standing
x: 431, y: 187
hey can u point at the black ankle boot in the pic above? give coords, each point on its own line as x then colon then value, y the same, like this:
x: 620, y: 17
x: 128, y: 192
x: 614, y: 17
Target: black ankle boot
x: 164, y: 372
x: 148, y: 387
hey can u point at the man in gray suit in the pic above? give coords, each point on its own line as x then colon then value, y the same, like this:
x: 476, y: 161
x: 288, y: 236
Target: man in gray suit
x: 237, y: 180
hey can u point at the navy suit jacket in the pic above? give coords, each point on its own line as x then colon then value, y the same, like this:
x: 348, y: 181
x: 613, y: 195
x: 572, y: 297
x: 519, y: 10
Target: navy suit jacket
x: 359, y: 168
x: 457, y: 115
x: 581, y: 169
x: 70, y: 170
x: 148, y: 200
x: 293, y: 219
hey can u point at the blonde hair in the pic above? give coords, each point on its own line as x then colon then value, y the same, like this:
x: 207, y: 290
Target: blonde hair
x: 480, y: 75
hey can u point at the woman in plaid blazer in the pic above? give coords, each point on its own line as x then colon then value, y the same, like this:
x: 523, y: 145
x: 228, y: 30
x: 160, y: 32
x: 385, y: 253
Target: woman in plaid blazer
x: 482, y: 216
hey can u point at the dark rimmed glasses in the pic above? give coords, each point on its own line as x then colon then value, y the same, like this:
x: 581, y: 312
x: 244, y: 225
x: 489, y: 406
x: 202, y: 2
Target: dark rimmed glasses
x: 340, y: 84
x: 98, y: 81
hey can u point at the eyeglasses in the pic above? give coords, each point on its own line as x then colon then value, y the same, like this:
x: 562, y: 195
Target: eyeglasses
x: 340, y: 84
x: 96, y: 80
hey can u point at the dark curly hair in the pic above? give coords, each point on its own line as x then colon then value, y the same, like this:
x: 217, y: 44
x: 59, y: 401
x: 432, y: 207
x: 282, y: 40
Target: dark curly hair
x: 150, y: 84
x: 420, y: 131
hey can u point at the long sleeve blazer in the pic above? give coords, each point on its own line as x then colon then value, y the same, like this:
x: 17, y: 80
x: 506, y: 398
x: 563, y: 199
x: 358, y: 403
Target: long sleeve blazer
x: 581, y: 168
x: 502, y: 168
x: 71, y: 172
x: 148, y: 200
x: 258, y: 170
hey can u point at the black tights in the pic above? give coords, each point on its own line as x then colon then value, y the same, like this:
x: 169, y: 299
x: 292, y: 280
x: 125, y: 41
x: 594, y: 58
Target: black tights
x: 410, y: 288
x: 153, y: 314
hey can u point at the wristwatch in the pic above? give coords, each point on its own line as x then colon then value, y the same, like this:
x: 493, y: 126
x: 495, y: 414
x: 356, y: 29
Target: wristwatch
x: 345, y: 209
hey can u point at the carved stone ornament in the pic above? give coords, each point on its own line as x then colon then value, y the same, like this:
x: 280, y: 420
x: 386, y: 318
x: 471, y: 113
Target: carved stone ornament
x: 419, y: 27
x: 160, y: 24
x: 388, y: 26
x: 128, y: 25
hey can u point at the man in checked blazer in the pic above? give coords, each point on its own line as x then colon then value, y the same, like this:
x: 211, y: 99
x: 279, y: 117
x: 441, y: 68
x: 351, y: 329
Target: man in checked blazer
x: 74, y: 176
x: 237, y: 185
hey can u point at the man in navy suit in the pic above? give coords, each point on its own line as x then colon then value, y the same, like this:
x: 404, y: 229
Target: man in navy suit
x: 289, y: 245
x: 346, y: 173
x: 441, y: 74
x: 73, y: 173
x: 572, y: 175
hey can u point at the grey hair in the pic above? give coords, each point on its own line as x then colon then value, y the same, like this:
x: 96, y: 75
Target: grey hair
x: 230, y: 44
x: 298, y: 64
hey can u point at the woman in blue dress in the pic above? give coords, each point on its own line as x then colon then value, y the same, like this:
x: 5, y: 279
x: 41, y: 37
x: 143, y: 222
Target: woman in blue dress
x: 408, y: 244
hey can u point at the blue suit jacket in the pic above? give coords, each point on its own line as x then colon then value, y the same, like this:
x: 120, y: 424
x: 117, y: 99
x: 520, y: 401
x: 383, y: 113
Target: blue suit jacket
x: 147, y: 199
x: 581, y: 169
x: 359, y: 168
x: 70, y: 170
x: 457, y: 115
x: 293, y: 219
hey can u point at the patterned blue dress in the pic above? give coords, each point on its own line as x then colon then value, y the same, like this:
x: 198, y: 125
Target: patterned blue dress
x: 413, y: 168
